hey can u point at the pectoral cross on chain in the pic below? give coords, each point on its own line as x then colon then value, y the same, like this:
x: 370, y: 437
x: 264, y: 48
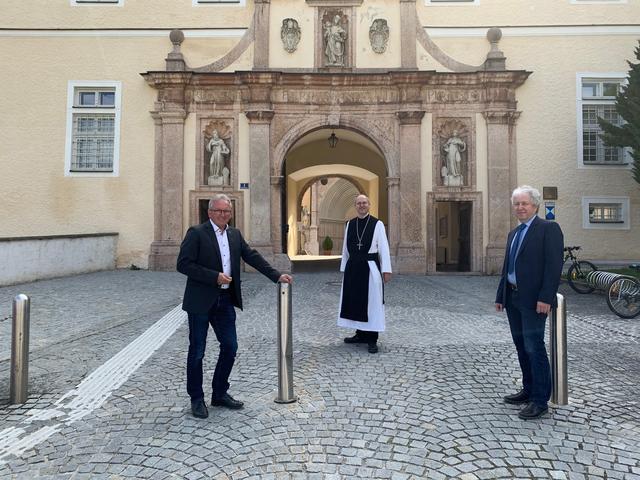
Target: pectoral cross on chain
x: 359, y: 245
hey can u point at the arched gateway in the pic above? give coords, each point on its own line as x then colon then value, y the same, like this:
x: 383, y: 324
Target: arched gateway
x: 445, y: 144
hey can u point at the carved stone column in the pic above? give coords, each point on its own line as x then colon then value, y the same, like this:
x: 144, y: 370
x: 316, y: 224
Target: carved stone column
x: 393, y: 229
x: 278, y: 225
x: 408, y: 26
x: 411, y: 256
x: 260, y: 186
x: 261, y: 41
x: 502, y: 178
x: 168, y: 189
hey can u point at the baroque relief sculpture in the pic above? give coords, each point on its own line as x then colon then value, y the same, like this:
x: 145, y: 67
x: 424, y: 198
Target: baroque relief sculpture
x: 216, y: 136
x: 290, y: 34
x: 335, y: 40
x: 379, y: 35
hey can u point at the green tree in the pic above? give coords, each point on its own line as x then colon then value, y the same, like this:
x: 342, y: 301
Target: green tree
x: 628, y: 107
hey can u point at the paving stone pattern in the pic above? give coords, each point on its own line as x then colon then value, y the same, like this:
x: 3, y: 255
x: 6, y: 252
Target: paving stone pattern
x: 428, y: 405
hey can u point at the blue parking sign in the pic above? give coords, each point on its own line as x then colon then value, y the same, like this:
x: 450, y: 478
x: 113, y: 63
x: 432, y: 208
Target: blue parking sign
x: 550, y: 211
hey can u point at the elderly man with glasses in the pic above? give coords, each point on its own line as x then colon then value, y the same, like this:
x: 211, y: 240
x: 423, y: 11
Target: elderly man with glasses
x: 210, y: 258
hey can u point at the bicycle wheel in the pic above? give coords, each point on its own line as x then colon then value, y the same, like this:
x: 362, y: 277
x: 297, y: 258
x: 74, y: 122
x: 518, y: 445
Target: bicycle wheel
x: 623, y: 297
x: 576, y: 276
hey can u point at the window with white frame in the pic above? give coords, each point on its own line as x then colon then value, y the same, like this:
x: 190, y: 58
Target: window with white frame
x: 97, y: 2
x: 93, y: 128
x: 611, y: 213
x: 452, y: 2
x: 239, y: 3
x: 597, y: 99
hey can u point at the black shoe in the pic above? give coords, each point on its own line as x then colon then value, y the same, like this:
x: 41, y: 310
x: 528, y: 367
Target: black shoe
x: 227, y: 401
x: 199, y: 409
x: 532, y: 411
x: 517, y: 398
x: 355, y: 339
x: 373, y: 348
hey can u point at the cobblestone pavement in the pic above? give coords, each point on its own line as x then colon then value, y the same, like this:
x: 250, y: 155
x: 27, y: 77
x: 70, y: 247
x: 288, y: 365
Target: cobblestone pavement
x: 107, y: 396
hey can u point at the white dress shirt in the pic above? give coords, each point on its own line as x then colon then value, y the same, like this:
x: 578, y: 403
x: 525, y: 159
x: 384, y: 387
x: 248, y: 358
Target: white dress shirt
x: 223, y: 244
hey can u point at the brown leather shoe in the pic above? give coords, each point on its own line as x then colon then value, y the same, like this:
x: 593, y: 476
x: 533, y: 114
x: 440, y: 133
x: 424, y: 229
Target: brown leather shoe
x: 517, y: 398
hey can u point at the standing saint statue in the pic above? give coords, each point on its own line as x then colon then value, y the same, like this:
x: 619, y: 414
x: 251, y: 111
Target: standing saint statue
x: 218, y: 150
x: 335, y: 38
x: 452, y: 171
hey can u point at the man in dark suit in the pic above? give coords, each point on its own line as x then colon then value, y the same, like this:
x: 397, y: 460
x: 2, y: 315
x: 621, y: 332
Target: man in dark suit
x: 210, y: 258
x: 527, y: 290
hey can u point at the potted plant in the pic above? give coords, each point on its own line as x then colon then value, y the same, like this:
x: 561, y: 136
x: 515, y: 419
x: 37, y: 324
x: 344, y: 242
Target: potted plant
x: 327, y: 245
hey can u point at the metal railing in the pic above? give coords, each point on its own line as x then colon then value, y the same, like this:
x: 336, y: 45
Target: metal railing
x: 18, y: 390
x: 285, y: 346
x: 558, y: 342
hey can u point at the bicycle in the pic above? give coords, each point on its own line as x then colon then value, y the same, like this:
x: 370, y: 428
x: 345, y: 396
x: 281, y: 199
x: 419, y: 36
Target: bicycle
x: 623, y: 296
x: 578, y: 271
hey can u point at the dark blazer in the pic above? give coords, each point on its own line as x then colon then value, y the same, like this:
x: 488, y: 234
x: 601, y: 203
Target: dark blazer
x: 538, y: 264
x: 199, y: 259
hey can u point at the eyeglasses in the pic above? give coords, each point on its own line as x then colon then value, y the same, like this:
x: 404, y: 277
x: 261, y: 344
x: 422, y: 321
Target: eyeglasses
x: 221, y: 212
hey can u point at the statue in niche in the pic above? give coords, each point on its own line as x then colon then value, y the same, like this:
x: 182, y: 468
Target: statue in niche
x: 335, y: 38
x: 218, y: 150
x: 451, y: 171
x: 379, y: 35
x: 290, y: 34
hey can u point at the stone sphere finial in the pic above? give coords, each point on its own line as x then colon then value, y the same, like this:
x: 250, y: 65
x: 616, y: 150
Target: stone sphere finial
x: 176, y: 37
x: 494, y: 34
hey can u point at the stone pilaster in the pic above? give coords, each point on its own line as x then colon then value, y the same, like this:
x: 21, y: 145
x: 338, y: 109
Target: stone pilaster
x: 408, y: 26
x: 411, y: 254
x: 502, y: 178
x: 393, y: 229
x: 260, y: 183
x: 261, y: 40
x: 168, y: 185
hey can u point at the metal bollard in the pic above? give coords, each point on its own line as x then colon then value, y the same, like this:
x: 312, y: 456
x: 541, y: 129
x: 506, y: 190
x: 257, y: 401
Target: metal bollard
x: 20, y: 350
x: 558, y: 342
x: 285, y: 346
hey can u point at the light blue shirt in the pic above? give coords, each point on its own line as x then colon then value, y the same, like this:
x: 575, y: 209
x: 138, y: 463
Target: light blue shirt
x: 512, y: 278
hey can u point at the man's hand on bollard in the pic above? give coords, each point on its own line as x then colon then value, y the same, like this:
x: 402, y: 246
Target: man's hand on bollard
x: 284, y: 278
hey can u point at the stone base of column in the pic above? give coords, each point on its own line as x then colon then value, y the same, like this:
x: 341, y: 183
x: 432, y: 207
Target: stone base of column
x: 411, y: 258
x: 267, y: 253
x: 163, y: 256
x: 493, y: 260
x: 282, y: 262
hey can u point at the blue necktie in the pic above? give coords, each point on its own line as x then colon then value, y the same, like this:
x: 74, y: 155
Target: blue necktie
x: 514, y: 249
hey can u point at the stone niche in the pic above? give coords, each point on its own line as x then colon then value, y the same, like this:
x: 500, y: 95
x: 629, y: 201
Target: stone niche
x: 454, y: 163
x: 217, y: 153
x: 335, y: 33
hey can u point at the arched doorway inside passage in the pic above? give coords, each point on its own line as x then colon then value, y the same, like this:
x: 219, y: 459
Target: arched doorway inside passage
x: 320, y: 183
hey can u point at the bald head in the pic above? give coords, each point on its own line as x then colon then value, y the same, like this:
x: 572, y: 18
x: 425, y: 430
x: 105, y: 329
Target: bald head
x: 362, y: 206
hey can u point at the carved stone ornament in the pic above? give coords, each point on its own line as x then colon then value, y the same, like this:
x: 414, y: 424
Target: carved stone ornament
x: 217, y: 135
x: 335, y: 28
x: 379, y: 35
x: 290, y: 34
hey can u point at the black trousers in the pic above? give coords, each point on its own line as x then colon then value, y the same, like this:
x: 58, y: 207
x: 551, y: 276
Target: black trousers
x: 370, y: 337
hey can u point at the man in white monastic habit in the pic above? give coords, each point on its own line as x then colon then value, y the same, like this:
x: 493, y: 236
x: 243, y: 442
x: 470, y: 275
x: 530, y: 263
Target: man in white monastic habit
x: 366, y: 265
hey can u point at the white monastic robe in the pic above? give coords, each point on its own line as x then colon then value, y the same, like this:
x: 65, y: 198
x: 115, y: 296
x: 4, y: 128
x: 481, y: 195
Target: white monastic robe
x: 375, y: 308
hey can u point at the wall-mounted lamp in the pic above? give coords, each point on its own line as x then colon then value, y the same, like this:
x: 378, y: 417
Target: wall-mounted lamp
x: 333, y: 140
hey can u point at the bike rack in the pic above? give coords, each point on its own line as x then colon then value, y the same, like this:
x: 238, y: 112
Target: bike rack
x: 601, y: 279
